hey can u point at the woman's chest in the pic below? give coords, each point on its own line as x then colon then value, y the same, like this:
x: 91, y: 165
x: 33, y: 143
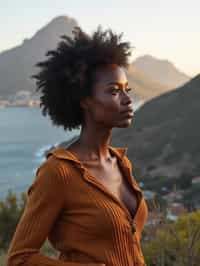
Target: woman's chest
x: 116, y: 184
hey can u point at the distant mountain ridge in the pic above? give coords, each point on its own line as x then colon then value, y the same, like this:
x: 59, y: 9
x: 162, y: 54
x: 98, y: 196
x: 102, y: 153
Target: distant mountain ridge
x: 162, y: 71
x: 145, y: 87
x: 18, y: 64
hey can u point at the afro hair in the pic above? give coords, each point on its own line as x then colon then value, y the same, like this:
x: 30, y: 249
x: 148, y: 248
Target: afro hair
x: 67, y: 75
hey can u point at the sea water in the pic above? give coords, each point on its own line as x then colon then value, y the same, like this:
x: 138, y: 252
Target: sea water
x: 24, y: 137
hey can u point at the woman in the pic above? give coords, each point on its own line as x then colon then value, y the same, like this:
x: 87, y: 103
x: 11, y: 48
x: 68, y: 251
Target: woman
x: 84, y: 197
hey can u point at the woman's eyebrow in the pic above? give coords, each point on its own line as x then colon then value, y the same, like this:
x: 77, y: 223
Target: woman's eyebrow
x: 117, y: 83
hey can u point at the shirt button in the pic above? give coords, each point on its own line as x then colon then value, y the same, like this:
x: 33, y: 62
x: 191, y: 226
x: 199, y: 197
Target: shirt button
x: 133, y: 228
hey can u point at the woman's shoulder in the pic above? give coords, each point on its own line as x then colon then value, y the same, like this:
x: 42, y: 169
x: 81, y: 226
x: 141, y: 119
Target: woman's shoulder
x: 52, y: 172
x: 58, y: 162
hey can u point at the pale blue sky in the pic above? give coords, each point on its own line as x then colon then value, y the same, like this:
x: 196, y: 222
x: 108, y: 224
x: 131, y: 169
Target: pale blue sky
x: 166, y: 29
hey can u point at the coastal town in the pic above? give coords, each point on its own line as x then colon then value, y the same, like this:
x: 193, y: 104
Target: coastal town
x: 29, y: 103
x: 174, y: 200
x: 22, y: 98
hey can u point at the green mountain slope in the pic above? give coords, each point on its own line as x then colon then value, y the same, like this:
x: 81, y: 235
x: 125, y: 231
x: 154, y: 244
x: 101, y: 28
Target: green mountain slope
x: 163, y: 139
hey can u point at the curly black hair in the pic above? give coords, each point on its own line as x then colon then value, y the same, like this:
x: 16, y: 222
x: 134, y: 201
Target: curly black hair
x: 67, y: 75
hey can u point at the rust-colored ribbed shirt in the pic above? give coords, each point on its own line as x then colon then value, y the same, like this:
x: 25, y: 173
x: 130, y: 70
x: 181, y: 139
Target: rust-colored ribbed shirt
x: 80, y: 217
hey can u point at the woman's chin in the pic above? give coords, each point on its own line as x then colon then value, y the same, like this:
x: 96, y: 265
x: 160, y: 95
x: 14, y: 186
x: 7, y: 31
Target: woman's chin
x: 125, y: 123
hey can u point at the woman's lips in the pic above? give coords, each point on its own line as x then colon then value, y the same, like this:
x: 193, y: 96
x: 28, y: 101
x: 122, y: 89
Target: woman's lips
x: 127, y: 110
x: 128, y: 114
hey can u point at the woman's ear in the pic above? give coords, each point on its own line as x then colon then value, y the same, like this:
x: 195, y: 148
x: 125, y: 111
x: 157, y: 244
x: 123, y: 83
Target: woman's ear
x: 84, y: 103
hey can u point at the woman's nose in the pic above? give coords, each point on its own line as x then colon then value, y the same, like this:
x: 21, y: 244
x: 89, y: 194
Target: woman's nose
x: 126, y: 98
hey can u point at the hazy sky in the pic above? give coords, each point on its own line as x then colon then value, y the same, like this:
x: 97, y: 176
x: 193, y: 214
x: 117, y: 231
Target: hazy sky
x: 166, y: 29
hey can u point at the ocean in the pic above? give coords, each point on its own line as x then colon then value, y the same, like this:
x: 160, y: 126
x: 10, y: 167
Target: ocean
x: 24, y: 136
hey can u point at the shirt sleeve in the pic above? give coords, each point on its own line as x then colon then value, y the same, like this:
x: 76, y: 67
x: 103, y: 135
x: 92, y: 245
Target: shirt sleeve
x: 45, y: 200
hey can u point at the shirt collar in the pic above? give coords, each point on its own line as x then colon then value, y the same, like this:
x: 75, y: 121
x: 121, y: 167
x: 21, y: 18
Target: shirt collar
x: 62, y: 153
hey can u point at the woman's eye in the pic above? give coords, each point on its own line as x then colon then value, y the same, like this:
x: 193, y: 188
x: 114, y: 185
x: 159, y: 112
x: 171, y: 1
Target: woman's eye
x: 128, y: 89
x: 114, y: 90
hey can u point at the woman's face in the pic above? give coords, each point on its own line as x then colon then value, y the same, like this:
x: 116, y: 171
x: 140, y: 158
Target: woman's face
x: 110, y: 104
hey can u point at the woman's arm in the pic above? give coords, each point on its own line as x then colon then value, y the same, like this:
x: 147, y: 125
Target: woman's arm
x: 44, y: 203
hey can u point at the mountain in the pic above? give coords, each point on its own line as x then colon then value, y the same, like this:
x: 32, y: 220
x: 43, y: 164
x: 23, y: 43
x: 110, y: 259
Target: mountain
x: 163, y: 139
x: 17, y: 64
x: 162, y: 71
x: 145, y: 88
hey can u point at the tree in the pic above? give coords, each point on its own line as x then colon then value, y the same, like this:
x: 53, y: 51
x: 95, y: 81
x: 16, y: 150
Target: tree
x: 173, y: 243
x: 10, y: 213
